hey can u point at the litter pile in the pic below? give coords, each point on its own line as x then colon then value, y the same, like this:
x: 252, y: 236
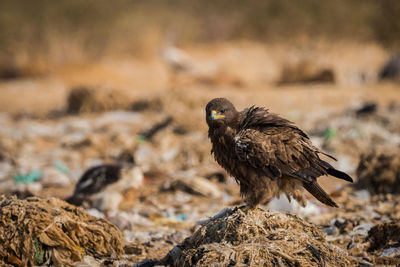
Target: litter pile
x: 172, y: 182
x: 358, y: 129
x: 306, y: 71
x: 379, y: 172
x: 49, y: 231
x: 257, y: 237
x: 384, y: 240
x: 86, y: 99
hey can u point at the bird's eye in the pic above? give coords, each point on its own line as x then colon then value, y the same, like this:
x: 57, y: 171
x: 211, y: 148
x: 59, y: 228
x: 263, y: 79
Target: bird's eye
x: 223, y: 111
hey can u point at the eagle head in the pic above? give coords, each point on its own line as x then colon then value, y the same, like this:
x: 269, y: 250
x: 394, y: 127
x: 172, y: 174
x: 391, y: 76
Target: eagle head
x: 220, y: 111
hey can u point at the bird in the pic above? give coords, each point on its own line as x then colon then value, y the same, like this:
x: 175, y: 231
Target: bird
x: 103, y: 185
x: 266, y: 154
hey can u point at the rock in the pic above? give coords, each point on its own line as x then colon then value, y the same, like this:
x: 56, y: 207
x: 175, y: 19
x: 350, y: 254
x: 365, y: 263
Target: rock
x: 54, y: 232
x: 257, y: 238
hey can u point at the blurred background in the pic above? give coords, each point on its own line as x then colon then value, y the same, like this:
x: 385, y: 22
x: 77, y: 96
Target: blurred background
x: 84, y: 83
x: 155, y: 45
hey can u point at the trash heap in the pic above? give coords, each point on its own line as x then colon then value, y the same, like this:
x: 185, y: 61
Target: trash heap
x: 384, y: 240
x: 49, y: 231
x: 379, y: 172
x: 257, y: 237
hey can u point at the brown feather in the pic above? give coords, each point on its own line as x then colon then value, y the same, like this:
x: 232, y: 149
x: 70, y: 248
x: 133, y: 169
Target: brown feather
x: 315, y: 190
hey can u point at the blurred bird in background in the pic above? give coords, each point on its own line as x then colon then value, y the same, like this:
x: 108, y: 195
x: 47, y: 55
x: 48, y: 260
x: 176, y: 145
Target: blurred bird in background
x: 103, y: 186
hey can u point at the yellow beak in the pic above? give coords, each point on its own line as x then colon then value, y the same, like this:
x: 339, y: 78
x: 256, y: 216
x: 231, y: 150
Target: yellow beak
x: 216, y: 116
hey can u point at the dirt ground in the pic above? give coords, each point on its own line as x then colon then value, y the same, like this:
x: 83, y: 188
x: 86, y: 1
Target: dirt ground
x: 48, y: 138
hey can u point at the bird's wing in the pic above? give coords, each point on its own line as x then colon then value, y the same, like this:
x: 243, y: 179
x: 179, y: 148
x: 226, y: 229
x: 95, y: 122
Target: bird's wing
x: 260, y: 118
x: 277, y: 148
x: 279, y: 151
x: 271, y: 143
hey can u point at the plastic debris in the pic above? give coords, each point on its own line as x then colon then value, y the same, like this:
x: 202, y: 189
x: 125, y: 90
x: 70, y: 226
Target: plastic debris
x: 28, y: 178
x: 60, y: 166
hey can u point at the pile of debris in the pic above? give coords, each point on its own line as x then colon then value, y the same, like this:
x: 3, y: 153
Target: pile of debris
x: 384, y: 242
x: 306, y: 71
x: 50, y: 231
x: 379, y: 172
x: 257, y: 237
x: 358, y: 129
x: 87, y: 99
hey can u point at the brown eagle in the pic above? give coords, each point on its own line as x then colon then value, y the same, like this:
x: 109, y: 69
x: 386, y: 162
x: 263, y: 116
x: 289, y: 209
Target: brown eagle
x: 266, y: 154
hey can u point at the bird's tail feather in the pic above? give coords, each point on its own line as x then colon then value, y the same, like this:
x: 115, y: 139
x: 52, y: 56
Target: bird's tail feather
x: 315, y: 190
x: 339, y: 174
x: 336, y: 173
